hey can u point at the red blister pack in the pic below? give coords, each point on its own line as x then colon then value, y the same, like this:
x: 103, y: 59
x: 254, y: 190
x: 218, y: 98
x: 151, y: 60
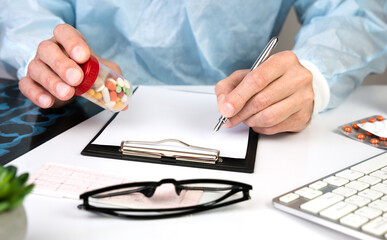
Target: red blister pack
x: 371, y: 130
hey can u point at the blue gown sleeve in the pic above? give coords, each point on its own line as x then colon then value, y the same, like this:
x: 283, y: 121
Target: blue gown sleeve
x: 346, y: 40
x: 26, y: 23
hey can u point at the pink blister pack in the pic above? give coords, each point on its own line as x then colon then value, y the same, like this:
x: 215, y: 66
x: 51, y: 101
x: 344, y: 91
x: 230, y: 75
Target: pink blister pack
x: 371, y: 130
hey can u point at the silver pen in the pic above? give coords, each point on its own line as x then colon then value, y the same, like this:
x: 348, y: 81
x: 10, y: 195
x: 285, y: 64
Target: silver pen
x: 262, y: 57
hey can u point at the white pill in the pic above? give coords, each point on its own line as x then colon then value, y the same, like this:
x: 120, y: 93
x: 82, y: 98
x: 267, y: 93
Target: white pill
x: 99, y: 88
x: 105, y: 95
x: 126, y: 84
x: 124, y: 99
x: 112, y: 80
x: 110, y: 104
x: 120, y: 82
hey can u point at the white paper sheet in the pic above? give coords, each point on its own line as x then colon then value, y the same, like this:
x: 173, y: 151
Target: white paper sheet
x: 156, y: 113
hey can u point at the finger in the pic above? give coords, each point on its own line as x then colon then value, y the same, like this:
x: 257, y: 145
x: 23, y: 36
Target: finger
x: 51, y: 54
x: 280, y: 111
x: 229, y: 83
x: 35, y: 93
x: 41, y: 73
x: 73, y: 42
x: 295, y: 123
x: 286, y: 85
x: 253, y: 83
x: 225, y: 86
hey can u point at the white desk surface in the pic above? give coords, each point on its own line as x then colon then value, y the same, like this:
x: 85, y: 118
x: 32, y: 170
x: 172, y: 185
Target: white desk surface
x: 284, y: 162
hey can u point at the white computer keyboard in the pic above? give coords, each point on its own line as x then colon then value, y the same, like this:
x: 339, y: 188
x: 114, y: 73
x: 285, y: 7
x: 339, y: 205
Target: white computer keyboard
x: 352, y: 201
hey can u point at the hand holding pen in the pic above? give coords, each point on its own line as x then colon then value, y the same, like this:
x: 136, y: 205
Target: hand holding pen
x: 274, y: 96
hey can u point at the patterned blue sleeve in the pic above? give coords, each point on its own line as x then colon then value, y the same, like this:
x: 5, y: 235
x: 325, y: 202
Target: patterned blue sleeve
x: 26, y: 23
x: 345, y: 39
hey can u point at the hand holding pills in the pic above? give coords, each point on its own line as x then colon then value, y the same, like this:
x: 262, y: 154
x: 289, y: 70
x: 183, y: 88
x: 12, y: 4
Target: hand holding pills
x: 55, y: 71
x: 275, y: 97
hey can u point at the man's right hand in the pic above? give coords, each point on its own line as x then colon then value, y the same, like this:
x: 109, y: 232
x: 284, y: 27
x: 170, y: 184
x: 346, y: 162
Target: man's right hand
x: 54, y: 72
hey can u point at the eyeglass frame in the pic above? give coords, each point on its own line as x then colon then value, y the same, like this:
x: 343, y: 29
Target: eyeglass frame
x: 235, y: 188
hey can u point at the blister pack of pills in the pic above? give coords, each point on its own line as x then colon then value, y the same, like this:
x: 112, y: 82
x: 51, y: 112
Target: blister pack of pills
x: 371, y: 130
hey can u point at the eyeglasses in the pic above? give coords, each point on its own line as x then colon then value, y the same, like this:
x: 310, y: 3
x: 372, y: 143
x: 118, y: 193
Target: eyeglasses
x: 164, y: 199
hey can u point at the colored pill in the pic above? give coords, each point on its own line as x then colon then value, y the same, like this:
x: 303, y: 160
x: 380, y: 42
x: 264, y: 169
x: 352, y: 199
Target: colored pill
x: 97, y: 95
x: 374, y: 141
x: 347, y: 129
x: 363, y: 122
x: 120, y: 94
x: 91, y: 92
x: 360, y: 136
x: 382, y: 139
x: 355, y: 126
x: 372, y: 120
x: 368, y: 133
x: 111, y: 86
x: 113, y: 96
x: 125, y: 108
x: 380, y: 118
x: 118, y: 89
x: 118, y: 105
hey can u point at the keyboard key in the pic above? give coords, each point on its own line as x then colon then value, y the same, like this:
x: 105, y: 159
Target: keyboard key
x: 350, y: 174
x: 380, y: 174
x: 338, y: 210
x: 369, y: 212
x: 346, y: 192
x: 359, y: 186
x: 377, y: 227
x: 290, y: 197
x: 353, y: 220
x: 321, y: 202
x: 358, y: 201
x: 370, y: 180
x: 308, y: 193
x: 371, y: 165
x: 336, y: 181
x: 380, y: 187
x: 318, y: 185
x: 371, y: 194
x: 379, y: 204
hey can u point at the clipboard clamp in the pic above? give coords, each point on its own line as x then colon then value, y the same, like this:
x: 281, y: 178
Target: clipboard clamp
x: 165, y: 148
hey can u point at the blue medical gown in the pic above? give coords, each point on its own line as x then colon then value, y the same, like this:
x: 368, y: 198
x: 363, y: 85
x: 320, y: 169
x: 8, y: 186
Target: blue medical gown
x: 203, y: 41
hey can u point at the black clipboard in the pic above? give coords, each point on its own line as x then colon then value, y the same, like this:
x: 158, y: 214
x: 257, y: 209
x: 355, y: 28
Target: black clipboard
x: 245, y: 165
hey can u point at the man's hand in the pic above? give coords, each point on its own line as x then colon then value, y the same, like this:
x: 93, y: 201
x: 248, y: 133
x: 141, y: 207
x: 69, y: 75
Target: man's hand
x: 54, y: 72
x: 275, y: 97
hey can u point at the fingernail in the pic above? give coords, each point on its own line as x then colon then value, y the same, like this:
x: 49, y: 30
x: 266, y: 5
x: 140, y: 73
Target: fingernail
x: 44, y: 100
x: 73, y: 76
x: 79, y: 54
x: 227, y: 110
x: 227, y: 124
x: 221, y: 98
x: 62, y: 89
